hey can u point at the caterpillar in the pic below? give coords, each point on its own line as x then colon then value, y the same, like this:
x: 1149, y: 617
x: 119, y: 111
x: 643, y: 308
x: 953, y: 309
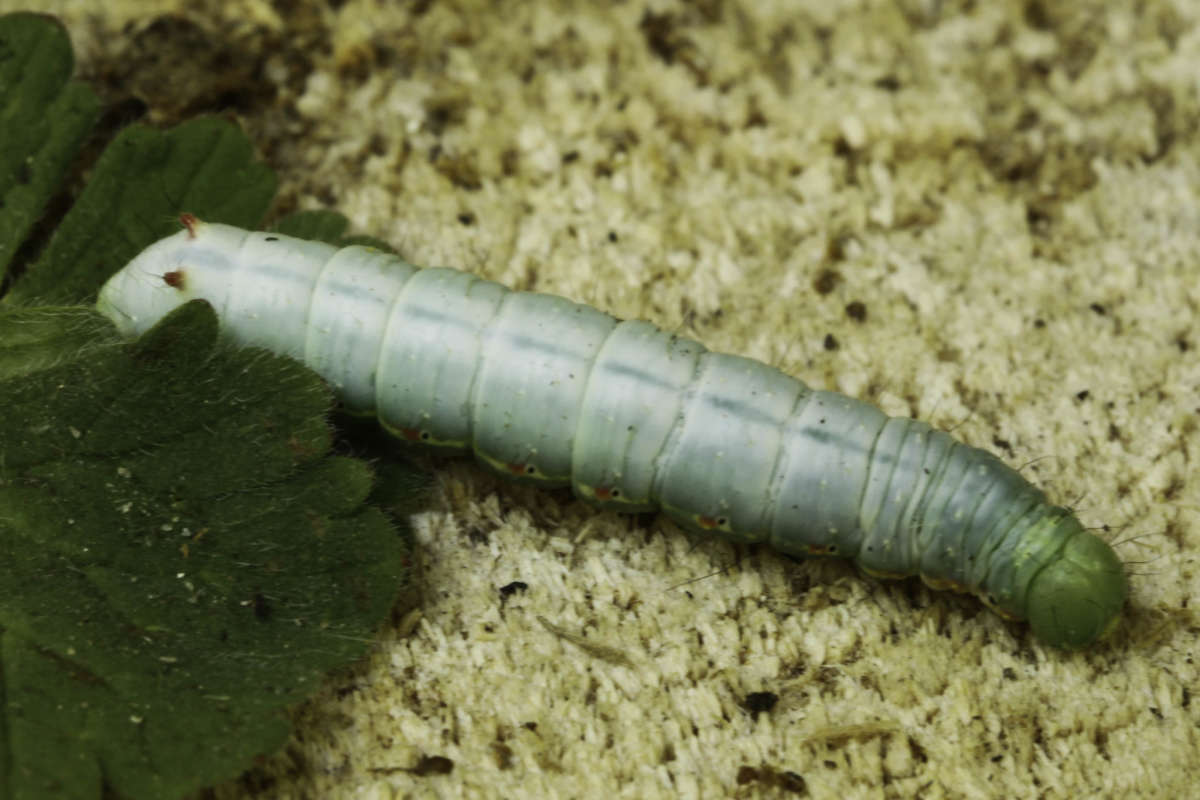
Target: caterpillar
x: 554, y: 393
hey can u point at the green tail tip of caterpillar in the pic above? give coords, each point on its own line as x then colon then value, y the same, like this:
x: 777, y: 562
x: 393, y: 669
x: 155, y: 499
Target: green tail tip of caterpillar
x: 1075, y: 601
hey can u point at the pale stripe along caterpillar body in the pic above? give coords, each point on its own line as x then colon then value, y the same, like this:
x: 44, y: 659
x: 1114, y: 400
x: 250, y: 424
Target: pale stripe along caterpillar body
x: 634, y: 418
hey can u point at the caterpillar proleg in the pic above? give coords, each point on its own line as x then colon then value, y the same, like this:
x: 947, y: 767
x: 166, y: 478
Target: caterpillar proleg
x: 555, y: 393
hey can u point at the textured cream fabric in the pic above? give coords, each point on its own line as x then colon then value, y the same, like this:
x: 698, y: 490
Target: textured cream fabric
x: 989, y: 219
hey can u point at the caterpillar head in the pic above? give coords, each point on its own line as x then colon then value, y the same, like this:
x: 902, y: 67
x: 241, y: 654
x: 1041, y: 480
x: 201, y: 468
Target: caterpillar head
x: 168, y: 274
x: 1075, y: 599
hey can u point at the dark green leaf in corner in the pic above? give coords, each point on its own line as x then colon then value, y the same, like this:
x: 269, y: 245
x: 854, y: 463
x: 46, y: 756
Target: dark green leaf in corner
x: 181, y: 558
x: 44, y: 117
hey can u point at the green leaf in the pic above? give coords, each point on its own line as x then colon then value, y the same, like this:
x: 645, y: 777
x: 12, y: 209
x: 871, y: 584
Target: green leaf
x: 367, y: 241
x: 180, y: 556
x: 44, y: 118
x: 181, y: 559
x: 326, y: 226
x: 33, y: 339
x: 319, y: 226
x: 140, y: 184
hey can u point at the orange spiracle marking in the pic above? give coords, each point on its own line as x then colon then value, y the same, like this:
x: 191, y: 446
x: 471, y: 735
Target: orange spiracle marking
x: 946, y: 584
x: 411, y: 434
x: 174, y: 278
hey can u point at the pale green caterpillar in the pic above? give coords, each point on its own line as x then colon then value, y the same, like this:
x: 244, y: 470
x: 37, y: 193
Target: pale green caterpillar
x: 633, y: 418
